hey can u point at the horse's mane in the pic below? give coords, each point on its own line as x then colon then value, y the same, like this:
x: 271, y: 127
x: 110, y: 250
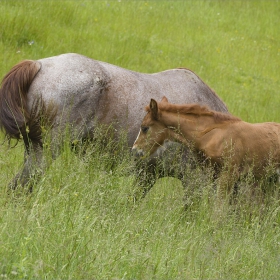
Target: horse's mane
x: 195, y: 109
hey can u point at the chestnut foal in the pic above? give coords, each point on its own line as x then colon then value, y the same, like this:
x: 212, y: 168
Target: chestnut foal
x: 231, y: 145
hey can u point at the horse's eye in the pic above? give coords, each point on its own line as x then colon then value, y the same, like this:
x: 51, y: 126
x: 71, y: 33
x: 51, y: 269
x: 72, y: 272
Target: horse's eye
x: 144, y: 129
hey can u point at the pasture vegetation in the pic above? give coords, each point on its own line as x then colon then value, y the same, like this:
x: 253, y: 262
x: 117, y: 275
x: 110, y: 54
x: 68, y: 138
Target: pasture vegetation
x: 81, y: 221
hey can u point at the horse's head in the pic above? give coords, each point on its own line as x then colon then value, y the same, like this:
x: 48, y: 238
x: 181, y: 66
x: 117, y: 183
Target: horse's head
x: 153, y: 132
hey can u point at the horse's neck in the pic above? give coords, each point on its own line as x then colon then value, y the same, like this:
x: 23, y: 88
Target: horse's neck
x: 185, y: 128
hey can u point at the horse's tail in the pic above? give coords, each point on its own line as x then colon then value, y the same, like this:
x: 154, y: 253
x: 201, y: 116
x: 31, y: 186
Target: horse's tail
x: 14, y: 115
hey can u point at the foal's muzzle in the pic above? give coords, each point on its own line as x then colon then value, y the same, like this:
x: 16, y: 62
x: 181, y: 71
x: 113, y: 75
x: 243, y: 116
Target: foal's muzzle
x: 137, y: 152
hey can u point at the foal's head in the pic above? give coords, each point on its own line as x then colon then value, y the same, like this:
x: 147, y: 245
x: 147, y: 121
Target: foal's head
x: 152, y: 133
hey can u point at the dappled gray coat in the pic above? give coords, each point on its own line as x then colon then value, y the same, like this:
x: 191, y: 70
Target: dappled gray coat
x: 73, y: 90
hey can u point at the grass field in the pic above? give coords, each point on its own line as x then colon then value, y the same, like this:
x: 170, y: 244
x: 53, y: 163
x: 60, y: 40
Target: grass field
x: 80, y: 221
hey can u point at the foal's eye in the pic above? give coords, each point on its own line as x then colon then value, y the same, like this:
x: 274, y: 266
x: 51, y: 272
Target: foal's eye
x: 144, y: 129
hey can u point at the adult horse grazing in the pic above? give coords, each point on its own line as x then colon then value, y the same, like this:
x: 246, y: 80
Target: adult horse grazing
x: 73, y: 92
x: 220, y: 138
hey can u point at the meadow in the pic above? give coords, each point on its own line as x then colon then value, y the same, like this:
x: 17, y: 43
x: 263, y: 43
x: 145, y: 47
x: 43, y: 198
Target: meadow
x: 81, y: 220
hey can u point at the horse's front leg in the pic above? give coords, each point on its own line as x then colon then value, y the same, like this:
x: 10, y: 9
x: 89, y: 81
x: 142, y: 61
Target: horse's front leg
x: 145, y: 179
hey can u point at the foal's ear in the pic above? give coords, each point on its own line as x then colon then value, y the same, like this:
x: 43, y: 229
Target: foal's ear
x: 154, y: 108
x: 164, y: 99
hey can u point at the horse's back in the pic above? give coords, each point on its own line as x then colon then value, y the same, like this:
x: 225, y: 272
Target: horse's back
x: 187, y: 87
x: 65, y: 77
x: 129, y: 92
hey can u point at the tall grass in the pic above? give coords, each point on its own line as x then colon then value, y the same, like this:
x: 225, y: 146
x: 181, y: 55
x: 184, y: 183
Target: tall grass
x: 81, y: 221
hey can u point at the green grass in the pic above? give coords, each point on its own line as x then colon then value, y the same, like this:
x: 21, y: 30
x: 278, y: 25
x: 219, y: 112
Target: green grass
x: 81, y: 222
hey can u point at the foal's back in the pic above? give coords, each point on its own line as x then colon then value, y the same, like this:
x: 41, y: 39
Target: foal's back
x: 257, y: 143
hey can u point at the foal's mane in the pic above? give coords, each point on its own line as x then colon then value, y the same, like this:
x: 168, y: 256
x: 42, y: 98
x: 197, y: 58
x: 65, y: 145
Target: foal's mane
x: 196, y: 109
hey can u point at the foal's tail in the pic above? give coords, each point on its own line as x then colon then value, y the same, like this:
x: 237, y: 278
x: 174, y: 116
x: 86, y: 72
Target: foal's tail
x: 14, y: 116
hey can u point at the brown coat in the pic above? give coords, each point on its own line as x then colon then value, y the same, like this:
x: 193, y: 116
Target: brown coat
x: 223, y: 139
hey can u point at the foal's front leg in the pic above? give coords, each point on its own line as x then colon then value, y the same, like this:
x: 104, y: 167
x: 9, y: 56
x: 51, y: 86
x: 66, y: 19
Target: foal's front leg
x: 226, y: 181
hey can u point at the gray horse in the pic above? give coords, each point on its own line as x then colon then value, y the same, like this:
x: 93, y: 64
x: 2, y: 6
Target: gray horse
x: 73, y: 91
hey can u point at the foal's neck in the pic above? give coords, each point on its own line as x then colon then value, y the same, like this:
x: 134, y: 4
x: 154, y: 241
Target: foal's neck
x: 189, y: 127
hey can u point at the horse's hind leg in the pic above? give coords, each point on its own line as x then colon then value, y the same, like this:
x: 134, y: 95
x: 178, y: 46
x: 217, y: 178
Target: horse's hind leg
x: 34, y: 165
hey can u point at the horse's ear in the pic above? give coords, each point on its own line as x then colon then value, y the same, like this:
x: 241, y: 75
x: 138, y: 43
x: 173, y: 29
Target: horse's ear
x: 164, y: 99
x: 154, y: 109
